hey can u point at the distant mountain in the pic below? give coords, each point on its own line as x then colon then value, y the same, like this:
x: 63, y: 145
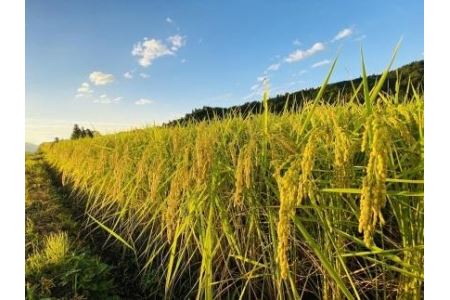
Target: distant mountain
x: 411, y: 73
x: 29, y: 147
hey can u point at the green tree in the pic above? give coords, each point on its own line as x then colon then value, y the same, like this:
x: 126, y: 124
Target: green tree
x: 76, y: 132
x: 80, y: 132
x: 88, y: 133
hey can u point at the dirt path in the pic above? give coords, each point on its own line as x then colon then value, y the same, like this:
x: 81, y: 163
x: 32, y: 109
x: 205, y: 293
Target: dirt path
x: 63, y: 259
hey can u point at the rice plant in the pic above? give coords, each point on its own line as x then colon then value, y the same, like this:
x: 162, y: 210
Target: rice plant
x: 326, y: 202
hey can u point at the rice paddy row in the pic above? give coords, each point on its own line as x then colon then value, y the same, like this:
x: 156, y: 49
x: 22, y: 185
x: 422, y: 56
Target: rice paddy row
x: 324, y: 203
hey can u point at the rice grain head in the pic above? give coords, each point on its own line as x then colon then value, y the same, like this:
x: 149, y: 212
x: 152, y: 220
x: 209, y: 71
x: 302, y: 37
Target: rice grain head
x: 288, y: 187
x: 373, y: 194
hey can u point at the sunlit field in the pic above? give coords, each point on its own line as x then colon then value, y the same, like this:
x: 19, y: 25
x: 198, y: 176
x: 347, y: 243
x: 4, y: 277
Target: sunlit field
x: 321, y: 203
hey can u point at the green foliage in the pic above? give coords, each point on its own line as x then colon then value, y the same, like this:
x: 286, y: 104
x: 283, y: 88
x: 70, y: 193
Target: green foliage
x: 76, y: 133
x: 71, y: 275
x: 408, y: 75
x: 44, y: 213
x: 57, y: 265
x: 79, y: 133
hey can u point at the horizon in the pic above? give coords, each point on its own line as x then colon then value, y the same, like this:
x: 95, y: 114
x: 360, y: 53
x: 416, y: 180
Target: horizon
x: 113, y: 66
x: 271, y: 97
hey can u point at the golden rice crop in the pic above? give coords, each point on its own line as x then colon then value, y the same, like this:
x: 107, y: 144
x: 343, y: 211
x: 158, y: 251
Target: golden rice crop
x: 209, y: 207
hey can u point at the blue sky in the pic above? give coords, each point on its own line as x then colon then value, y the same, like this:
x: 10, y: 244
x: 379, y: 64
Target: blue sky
x: 115, y: 65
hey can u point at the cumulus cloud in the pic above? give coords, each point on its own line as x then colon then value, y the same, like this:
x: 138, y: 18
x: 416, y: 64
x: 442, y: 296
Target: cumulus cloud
x: 169, y: 20
x: 261, y: 78
x: 274, y: 67
x: 143, y: 101
x: 257, y: 88
x: 254, y: 87
x: 177, y: 41
x: 298, y: 55
x: 346, y: 32
x: 104, y: 99
x: 100, y: 78
x: 128, y: 75
x: 84, y: 90
x: 149, y: 50
x: 321, y: 63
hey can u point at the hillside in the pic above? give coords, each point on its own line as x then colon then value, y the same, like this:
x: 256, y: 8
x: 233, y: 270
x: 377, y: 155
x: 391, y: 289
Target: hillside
x: 412, y: 72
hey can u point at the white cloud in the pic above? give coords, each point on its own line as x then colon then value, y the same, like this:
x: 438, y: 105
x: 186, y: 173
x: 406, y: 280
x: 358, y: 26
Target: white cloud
x: 273, y: 67
x: 144, y: 75
x: 298, y: 55
x: 143, y: 101
x: 100, y: 78
x: 104, y: 99
x: 84, y: 90
x: 342, y: 34
x: 169, y: 20
x: 321, y: 63
x: 261, y: 78
x: 254, y: 87
x: 257, y: 88
x: 296, y: 42
x: 177, y: 41
x: 149, y: 50
x: 128, y: 75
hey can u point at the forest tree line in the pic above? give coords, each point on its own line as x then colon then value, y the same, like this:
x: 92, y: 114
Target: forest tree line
x: 408, y: 75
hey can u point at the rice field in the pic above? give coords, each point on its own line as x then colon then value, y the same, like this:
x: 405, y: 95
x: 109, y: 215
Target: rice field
x: 325, y: 203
